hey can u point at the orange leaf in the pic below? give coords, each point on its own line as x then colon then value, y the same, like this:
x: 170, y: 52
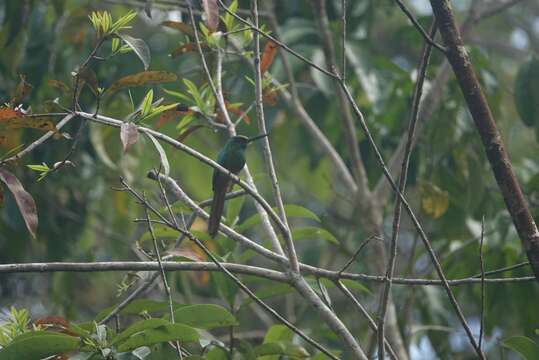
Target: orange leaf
x: 270, y: 50
x: 189, y: 47
x: 8, y: 113
x: 166, y: 116
x: 236, y: 110
x: 270, y: 97
x: 56, y: 324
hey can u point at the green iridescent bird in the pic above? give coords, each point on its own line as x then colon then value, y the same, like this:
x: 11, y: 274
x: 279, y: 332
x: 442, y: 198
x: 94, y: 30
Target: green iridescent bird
x: 232, y: 158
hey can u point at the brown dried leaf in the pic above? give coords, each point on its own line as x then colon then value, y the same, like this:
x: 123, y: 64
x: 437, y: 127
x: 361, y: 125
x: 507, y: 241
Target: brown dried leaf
x: 183, y: 27
x: 128, y: 135
x: 185, y: 48
x: 30, y: 123
x: 167, y: 116
x: 211, y: 9
x: 270, y: 50
x: 8, y: 113
x: 23, y: 89
x: 25, y: 201
x: 59, y: 85
x: 143, y: 78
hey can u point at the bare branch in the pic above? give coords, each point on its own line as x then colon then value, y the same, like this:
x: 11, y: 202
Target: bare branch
x: 416, y: 98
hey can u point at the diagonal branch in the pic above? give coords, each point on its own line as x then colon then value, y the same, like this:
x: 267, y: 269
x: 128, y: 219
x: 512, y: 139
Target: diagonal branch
x: 490, y: 136
x: 418, y: 90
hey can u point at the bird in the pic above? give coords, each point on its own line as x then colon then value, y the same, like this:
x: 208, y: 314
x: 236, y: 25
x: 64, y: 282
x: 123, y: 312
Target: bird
x: 232, y: 158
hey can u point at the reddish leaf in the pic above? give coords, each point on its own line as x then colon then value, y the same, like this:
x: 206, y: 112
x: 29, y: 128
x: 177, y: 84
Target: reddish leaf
x: 56, y: 324
x: 211, y: 9
x: 236, y: 110
x: 25, y: 201
x: 270, y: 97
x: 188, y: 131
x: 128, y: 135
x: 167, y: 116
x: 183, y: 27
x: 189, y: 47
x: 8, y: 113
x: 270, y: 50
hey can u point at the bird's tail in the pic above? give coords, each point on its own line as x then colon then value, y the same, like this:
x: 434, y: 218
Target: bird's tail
x: 217, y: 206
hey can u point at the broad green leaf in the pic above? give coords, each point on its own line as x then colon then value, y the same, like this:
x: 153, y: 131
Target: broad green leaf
x: 143, y: 78
x: 524, y: 346
x: 39, y: 346
x: 278, y: 333
x: 313, y: 232
x: 527, y: 92
x: 216, y: 353
x: 273, y: 350
x: 204, y: 316
x: 162, y: 154
x: 139, y: 47
x: 290, y: 210
x: 138, y: 327
x: 149, y: 337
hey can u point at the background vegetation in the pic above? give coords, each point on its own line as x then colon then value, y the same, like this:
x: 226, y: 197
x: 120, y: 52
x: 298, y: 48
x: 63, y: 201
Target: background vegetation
x: 83, y: 218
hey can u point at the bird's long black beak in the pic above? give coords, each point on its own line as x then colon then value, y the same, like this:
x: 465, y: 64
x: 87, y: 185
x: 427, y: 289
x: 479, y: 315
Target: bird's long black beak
x: 256, y: 138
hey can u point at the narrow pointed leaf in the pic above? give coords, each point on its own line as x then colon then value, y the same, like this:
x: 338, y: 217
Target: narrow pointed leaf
x: 183, y: 27
x: 25, y: 201
x: 162, y: 154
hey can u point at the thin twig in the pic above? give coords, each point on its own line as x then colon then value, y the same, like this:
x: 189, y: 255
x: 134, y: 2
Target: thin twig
x: 428, y: 38
x: 113, y: 266
x: 365, y: 313
x: 162, y: 271
x: 416, y: 98
x: 343, y: 40
x: 482, y: 263
x: 356, y: 254
x: 259, y: 105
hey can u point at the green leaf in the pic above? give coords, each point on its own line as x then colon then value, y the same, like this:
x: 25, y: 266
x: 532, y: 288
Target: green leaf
x: 146, y: 105
x: 37, y: 345
x: 311, y: 232
x: 524, y: 346
x: 278, y: 333
x: 273, y: 350
x: 290, y: 210
x: 138, y: 327
x: 204, y: 316
x: 216, y: 353
x: 527, y: 92
x: 162, y: 154
x: 149, y: 337
x: 139, y: 47
x: 40, y: 168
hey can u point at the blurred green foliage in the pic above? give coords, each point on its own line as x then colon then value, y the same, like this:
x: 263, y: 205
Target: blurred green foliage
x: 81, y: 217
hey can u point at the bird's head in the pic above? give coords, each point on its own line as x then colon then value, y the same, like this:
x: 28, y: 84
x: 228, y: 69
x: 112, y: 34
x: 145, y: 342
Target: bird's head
x: 242, y: 141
